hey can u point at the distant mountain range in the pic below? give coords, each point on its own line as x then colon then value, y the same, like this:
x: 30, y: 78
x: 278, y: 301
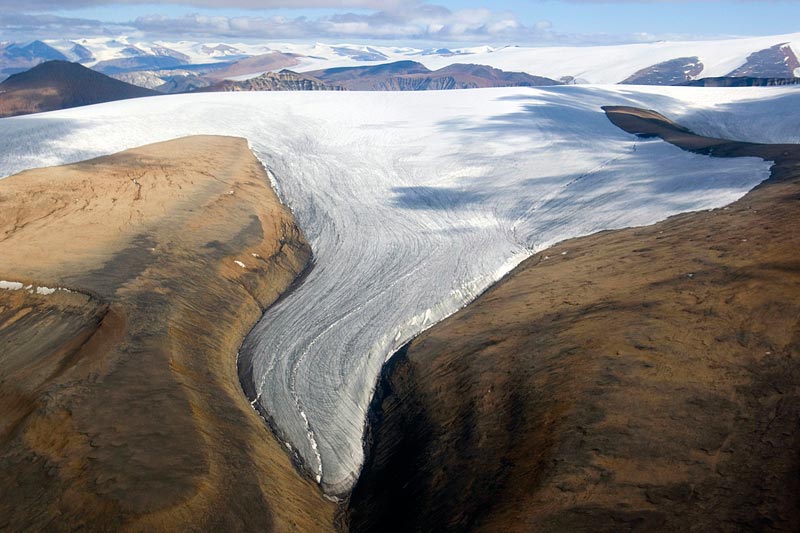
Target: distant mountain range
x: 659, y: 63
x: 414, y: 76
x: 143, y: 69
x: 16, y: 58
x: 59, y: 85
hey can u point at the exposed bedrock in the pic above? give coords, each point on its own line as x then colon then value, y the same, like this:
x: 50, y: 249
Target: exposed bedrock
x: 120, y: 406
x: 778, y: 61
x: 644, y: 378
x: 672, y: 72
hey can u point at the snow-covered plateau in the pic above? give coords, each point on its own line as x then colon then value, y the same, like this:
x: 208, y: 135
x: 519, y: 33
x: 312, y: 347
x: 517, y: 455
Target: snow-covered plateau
x: 414, y: 203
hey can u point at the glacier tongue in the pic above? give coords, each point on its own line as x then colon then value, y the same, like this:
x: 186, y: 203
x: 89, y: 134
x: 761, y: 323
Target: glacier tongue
x: 413, y: 203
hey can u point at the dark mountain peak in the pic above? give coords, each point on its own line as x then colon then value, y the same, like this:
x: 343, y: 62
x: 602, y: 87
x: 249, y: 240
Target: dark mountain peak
x: 60, y: 84
x: 50, y: 72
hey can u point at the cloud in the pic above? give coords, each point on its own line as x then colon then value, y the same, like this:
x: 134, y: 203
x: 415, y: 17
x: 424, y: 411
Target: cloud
x: 49, y: 5
x: 427, y: 22
x: 24, y: 27
x: 409, y: 20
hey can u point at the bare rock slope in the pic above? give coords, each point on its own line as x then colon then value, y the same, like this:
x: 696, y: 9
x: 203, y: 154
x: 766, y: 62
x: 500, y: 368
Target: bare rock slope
x: 119, y: 399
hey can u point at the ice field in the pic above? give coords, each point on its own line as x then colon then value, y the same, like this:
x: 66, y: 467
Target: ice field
x: 414, y: 203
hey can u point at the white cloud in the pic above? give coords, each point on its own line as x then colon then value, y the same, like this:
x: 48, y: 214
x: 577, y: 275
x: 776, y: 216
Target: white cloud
x: 48, y: 5
x: 402, y: 20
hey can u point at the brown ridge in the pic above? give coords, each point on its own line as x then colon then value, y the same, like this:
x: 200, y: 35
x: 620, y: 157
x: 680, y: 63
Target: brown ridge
x: 120, y: 405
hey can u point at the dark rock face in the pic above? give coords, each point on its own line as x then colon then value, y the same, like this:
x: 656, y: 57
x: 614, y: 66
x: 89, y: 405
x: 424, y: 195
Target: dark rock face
x: 778, y: 61
x: 670, y: 72
x: 645, y: 380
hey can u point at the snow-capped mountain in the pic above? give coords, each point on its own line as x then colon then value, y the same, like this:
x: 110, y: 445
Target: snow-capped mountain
x: 414, y: 203
x: 657, y: 63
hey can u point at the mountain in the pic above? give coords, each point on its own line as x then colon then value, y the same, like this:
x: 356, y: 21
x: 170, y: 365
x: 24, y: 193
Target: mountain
x: 770, y: 65
x: 653, y: 63
x: 414, y: 76
x: 165, y: 81
x: 670, y: 72
x: 16, y: 58
x: 741, y: 81
x: 59, y: 85
x: 163, y: 51
x: 613, y: 64
x: 368, y: 53
x: 119, y: 362
x: 82, y: 54
x: 260, y: 63
x: 777, y: 61
x: 221, y: 50
x: 137, y: 62
x: 285, y: 80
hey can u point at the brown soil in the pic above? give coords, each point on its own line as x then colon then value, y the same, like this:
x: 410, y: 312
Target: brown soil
x: 644, y: 379
x: 120, y: 406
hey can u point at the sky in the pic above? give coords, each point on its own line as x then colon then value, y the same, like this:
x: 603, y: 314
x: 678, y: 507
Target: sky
x: 532, y: 22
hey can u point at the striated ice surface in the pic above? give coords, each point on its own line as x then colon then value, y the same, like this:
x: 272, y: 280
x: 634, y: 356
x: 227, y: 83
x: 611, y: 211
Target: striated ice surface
x: 413, y: 203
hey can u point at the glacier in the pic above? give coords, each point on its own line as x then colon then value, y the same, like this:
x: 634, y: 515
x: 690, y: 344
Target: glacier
x: 415, y: 203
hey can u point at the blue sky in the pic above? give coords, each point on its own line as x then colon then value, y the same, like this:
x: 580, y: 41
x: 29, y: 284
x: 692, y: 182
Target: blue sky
x: 498, y: 21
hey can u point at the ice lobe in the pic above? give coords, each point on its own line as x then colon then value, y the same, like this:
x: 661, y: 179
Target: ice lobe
x: 413, y: 204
